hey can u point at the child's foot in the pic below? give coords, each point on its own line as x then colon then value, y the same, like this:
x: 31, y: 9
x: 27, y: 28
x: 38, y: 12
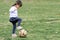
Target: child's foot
x: 19, y: 27
x: 14, y: 35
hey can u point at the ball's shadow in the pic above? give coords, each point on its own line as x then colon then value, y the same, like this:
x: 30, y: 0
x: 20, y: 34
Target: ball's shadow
x: 22, y: 36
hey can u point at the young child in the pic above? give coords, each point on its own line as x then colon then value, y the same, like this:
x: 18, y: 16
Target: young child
x: 14, y: 17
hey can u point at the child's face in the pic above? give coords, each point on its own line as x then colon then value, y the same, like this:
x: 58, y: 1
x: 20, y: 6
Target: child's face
x: 17, y: 6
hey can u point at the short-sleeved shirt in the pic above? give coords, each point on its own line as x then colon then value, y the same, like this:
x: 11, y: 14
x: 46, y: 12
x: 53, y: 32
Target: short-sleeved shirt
x: 13, y: 12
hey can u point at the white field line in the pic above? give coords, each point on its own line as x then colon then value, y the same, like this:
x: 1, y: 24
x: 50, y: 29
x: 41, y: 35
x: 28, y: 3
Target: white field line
x: 2, y: 24
x: 58, y: 20
x: 52, y: 21
x: 51, y: 18
x: 43, y: 18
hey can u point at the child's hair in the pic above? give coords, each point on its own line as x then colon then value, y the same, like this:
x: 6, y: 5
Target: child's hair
x: 18, y: 2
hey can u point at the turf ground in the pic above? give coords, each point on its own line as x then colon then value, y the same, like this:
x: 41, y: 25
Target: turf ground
x: 41, y: 18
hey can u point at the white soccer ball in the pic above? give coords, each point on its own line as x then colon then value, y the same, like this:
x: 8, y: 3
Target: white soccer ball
x: 22, y: 33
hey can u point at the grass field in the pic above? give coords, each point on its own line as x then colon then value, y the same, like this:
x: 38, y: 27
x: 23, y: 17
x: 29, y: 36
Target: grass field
x: 41, y: 18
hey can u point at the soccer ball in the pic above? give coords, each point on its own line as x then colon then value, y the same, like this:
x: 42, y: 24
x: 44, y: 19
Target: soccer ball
x: 22, y: 33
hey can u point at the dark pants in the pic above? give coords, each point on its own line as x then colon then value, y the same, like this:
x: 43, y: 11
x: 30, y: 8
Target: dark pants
x: 15, y: 20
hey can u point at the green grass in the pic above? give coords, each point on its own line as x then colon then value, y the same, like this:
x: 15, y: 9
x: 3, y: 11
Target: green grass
x: 41, y: 18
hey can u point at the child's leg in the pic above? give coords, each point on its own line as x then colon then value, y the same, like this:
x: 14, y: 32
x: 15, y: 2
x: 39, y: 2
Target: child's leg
x: 14, y: 28
x: 13, y: 21
x: 19, y: 21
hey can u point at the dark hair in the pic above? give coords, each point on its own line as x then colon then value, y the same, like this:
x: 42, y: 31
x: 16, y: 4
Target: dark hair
x: 18, y: 2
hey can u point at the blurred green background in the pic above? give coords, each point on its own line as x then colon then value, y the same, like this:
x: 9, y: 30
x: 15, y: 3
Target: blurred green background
x: 41, y: 18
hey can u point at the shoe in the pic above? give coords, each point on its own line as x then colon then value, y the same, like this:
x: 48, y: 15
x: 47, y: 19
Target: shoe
x: 19, y: 27
x: 14, y: 35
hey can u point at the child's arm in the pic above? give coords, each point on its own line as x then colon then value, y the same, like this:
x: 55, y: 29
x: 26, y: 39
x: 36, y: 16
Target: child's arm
x: 12, y: 10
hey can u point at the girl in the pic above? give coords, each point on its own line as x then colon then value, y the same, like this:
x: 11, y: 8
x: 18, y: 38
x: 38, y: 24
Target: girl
x: 14, y: 16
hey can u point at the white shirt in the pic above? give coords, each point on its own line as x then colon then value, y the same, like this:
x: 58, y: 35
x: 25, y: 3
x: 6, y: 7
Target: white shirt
x: 13, y: 12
